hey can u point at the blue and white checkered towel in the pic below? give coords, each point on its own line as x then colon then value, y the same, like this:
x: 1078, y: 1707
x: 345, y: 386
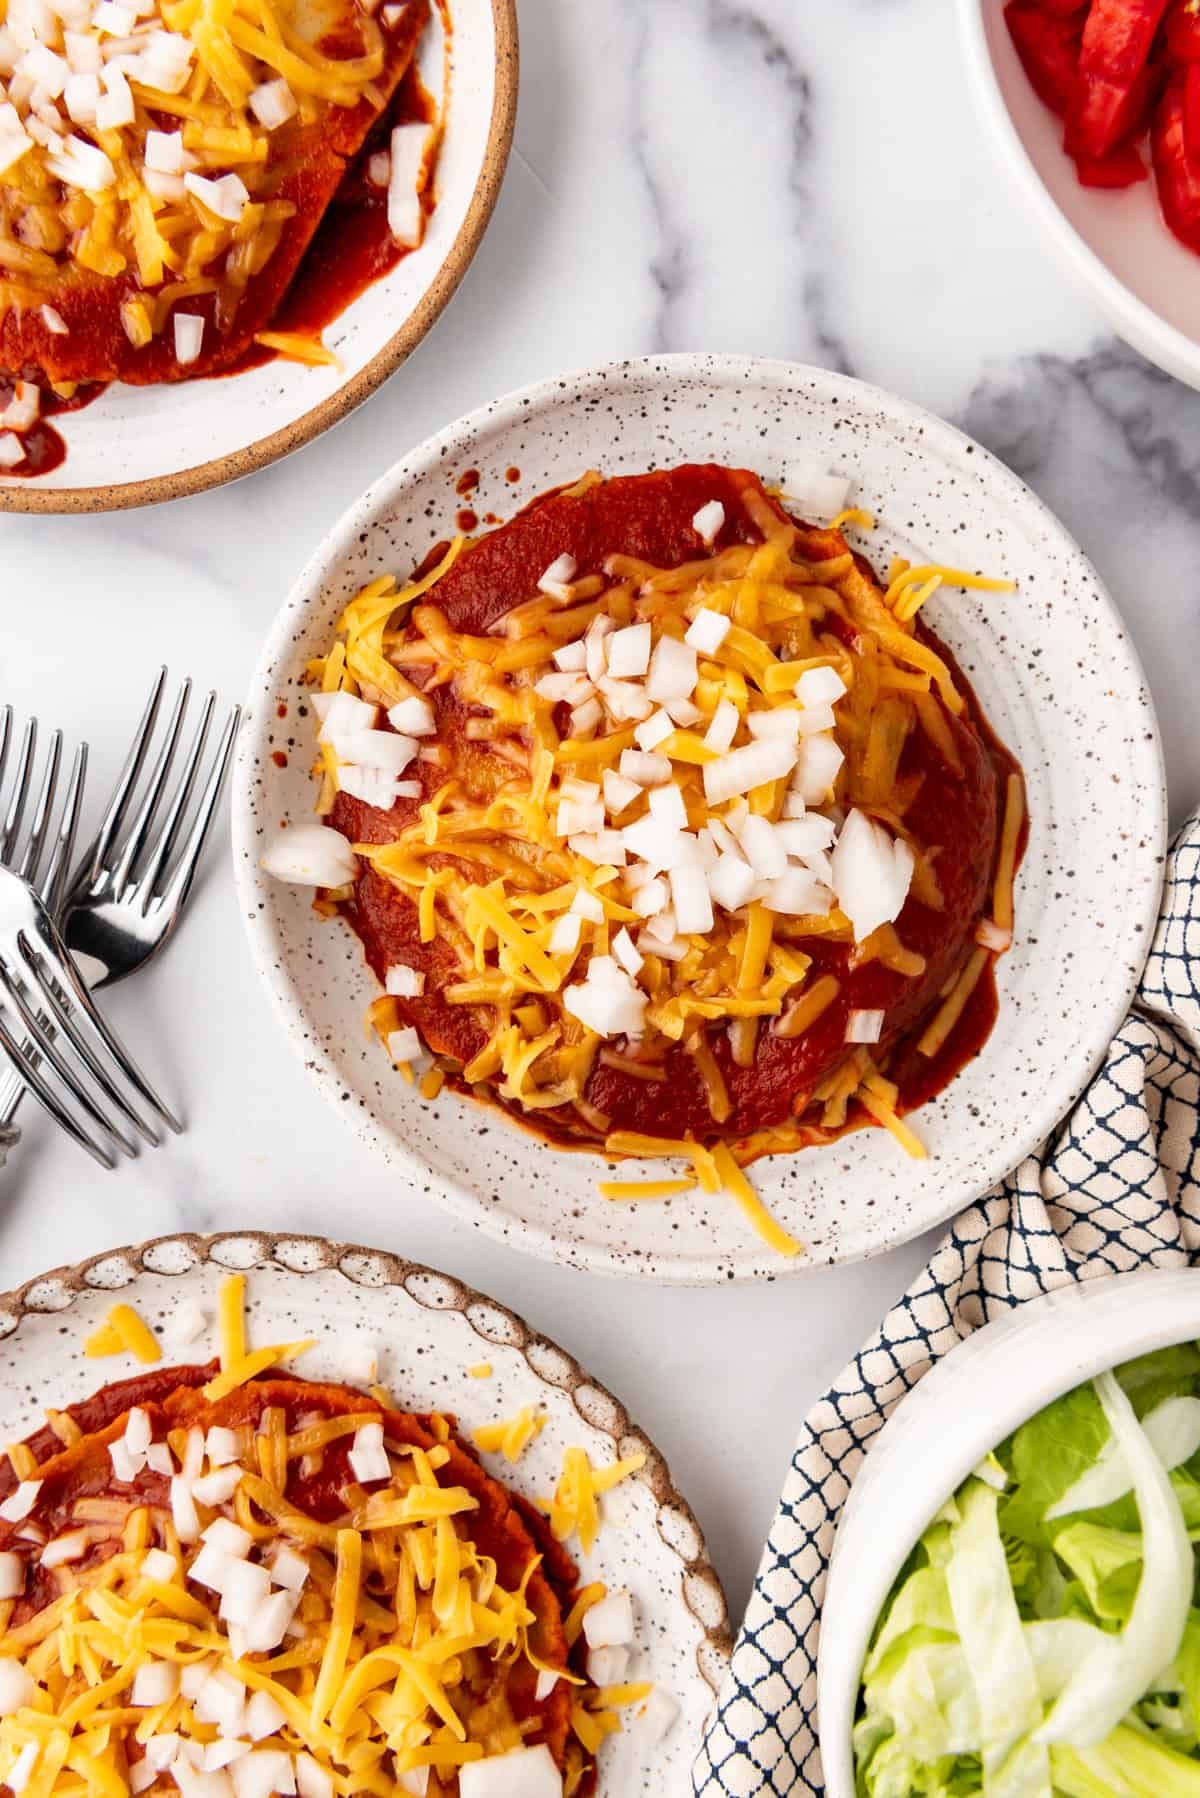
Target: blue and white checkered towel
x: 1117, y: 1187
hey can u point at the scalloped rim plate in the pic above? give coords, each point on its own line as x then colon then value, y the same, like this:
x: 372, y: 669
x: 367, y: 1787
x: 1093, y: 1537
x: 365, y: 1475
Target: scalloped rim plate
x: 1055, y: 673
x: 428, y: 1328
x: 135, y: 446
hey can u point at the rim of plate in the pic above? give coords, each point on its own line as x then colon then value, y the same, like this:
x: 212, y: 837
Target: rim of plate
x: 240, y: 1251
x: 522, y: 406
x: 1136, y: 321
x: 313, y: 423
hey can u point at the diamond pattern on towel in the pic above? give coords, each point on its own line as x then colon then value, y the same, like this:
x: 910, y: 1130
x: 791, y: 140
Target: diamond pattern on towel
x: 1117, y: 1187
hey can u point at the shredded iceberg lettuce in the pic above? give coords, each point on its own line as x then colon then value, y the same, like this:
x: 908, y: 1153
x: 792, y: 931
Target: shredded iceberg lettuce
x: 1042, y: 1640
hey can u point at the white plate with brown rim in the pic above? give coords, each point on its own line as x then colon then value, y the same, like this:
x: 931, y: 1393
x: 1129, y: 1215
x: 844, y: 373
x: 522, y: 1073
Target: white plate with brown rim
x: 427, y: 1329
x: 135, y: 446
x: 1056, y: 676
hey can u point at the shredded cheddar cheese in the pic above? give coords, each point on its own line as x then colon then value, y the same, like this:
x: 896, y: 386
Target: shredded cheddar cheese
x: 526, y: 877
x: 389, y: 1635
x: 123, y: 1332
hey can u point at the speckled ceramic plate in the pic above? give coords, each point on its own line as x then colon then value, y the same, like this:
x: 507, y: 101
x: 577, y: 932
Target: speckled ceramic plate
x: 134, y: 446
x: 427, y: 1329
x: 1056, y: 676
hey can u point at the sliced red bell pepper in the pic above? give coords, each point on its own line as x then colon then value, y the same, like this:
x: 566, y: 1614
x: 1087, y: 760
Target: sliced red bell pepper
x: 1120, y: 168
x: 1048, y: 46
x: 1181, y: 36
x: 1175, y: 170
x: 1191, y: 110
x: 1118, y: 36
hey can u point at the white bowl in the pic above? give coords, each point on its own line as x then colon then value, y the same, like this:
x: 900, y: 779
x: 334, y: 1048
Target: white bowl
x: 134, y: 446
x: 964, y: 1407
x: 1114, y: 243
x: 1054, y: 673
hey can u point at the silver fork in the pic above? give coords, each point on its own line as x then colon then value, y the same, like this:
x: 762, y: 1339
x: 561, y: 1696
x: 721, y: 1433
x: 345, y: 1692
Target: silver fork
x: 130, y: 888
x: 41, y: 997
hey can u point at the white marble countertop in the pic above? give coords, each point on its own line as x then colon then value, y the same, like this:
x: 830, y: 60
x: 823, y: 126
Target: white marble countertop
x: 758, y: 176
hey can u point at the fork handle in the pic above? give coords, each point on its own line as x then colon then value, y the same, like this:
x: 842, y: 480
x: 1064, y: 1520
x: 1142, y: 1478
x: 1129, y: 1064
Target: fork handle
x: 9, y: 1138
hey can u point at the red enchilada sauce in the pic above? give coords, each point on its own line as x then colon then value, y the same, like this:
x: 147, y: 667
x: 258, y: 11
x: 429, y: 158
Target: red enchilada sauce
x: 503, y: 1527
x: 957, y: 813
x: 351, y: 249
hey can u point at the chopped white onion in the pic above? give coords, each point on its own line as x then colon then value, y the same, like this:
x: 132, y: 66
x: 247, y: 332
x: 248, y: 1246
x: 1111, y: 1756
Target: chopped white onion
x: 246, y: 1587
x: 731, y: 882
x: 368, y: 1457
x: 556, y: 580
x: 813, y: 491
x: 707, y: 631
x: 654, y: 730
x: 522, y: 1773
x: 608, y: 1666
x: 781, y: 721
x: 722, y: 726
x: 864, y: 1026
x: 762, y: 848
x: 158, y: 1459
x: 607, y: 1000
x: 741, y: 770
x: 564, y: 936
x: 12, y: 1575
x: 413, y: 717
x: 625, y: 952
x: 23, y: 409
x: 263, y: 1717
x: 798, y: 894
x: 20, y: 1502
x: 603, y: 847
x: 385, y: 750
x: 12, y: 450
x: 158, y: 1565
x: 820, y: 686
x: 189, y: 337
x: 872, y: 872
x: 585, y: 904
x: 125, y: 1466
x: 404, y: 982
x: 547, y: 1679
x: 618, y: 791
x: 585, y: 717
x: 273, y: 104
x: 312, y: 1781
x: 218, y: 1487
x: 707, y: 523
x: 571, y: 658
x: 672, y: 670
x: 376, y: 787
x: 644, y: 768
x: 989, y: 935
x: 154, y: 1683
x: 667, y: 807
x: 691, y: 899
x: 54, y: 322
x: 806, y: 835
x: 137, y: 1431
x: 406, y: 221
x: 70, y: 1547
x: 818, y: 760
x: 404, y: 1045
x: 311, y: 855
x: 21, y: 1771
x: 17, y: 1686
x: 289, y: 1570
x: 609, y: 1624
x: 651, y: 898
x: 271, y: 1621
x: 629, y: 651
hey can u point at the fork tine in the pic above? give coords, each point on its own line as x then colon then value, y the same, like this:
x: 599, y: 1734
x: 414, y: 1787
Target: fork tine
x: 139, y: 830
x: 16, y: 805
x: 55, y: 884
x: 179, y: 804
x: 34, y: 1081
x: 180, y: 883
x: 114, y: 815
x: 68, y: 977
x: 6, y: 722
x: 31, y: 860
x: 42, y: 1039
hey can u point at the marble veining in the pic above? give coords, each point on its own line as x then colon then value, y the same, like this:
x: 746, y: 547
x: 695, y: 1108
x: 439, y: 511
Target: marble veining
x: 799, y: 178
